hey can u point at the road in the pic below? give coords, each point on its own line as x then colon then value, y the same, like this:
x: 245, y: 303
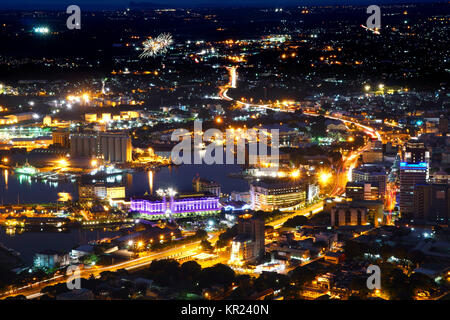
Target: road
x: 341, y: 177
x: 33, y: 290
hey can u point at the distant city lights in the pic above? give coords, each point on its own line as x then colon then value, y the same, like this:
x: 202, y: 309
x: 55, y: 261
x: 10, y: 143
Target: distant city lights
x: 41, y: 30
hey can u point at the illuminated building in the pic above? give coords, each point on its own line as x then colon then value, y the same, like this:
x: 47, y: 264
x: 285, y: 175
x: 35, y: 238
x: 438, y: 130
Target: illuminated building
x: 372, y: 156
x: 203, y: 185
x: 410, y: 175
x: 175, y: 206
x: 334, y: 257
x: 443, y: 125
x: 432, y: 202
x: 373, y: 174
x: 112, y: 147
x: 346, y: 215
x: 102, y: 183
x: 51, y: 259
x: 271, y: 195
x: 415, y: 152
x: 90, y: 117
x: 362, y: 191
x: 100, y: 190
x: 61, y: 138
x: 248, y: 245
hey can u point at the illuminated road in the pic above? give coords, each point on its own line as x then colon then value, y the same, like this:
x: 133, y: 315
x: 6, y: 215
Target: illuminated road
x: 34, y: 289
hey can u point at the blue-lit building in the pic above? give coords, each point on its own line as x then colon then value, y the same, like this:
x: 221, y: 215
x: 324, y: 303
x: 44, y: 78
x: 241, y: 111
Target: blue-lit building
x: 411, y: 174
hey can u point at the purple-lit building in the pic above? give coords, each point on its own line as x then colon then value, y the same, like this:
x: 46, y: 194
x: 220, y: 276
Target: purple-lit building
x: 180, y: 206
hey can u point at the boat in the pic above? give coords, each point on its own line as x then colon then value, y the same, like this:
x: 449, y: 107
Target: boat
x: 26, y: 169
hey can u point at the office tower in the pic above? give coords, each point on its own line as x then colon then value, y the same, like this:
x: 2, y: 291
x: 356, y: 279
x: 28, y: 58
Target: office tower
x: 443, y: 125
x: 373, y: 174
x: 432, y: 202
x: 411, y: 174
x: 415, y: 152
x: 248, y: 245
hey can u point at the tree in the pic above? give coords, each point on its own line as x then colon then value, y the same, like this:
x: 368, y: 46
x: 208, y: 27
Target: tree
x: 219, y: 274
x: 296, y: 222
x: 302, y: 275
x: 164, y: 272
x: 271, y: 280
x: 201, y: 234
x: 206, y: 245
x: 190, y: 269
x: 359, y: 284
x: 353, y: 249
x: 226, y: 237
x: 204, y: 114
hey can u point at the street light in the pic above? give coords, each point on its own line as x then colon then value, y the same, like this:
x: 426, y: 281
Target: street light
x: 63, y: 162
x: 295, y: 174
x: 94, y: 163
x: 324, y: 177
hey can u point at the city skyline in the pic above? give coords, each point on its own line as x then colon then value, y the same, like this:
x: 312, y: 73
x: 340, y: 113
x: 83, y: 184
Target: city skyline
x: 222, y: 155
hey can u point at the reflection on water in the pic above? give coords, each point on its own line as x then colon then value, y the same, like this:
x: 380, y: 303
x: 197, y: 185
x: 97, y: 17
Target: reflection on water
x: 150, y: 181
x: 14, y: 186
x: 5, y: 174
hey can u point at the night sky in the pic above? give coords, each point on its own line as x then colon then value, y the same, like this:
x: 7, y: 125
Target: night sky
x: 107, y: 4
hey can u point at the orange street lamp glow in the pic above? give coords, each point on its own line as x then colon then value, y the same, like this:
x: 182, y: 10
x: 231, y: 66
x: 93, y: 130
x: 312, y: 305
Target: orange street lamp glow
x: 63, y: 162
x: 219, y: 120
x: 94, y: 163
x: 324, y: 177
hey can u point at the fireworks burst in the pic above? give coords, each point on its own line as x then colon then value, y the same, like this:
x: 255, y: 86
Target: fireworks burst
x: 153, y: 47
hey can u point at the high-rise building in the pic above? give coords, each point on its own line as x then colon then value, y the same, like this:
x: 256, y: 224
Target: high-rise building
x: 415, y: 152
x: 432, y: 202
x: 411, y: 174
x: 248, y: 245
x: 443, y: 125
x: 373, y: 174
x: 362, y: 191
x: 61, y: 138
x: 112, y: 147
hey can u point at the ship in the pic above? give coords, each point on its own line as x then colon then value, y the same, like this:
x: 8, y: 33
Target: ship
x: 26, y: 169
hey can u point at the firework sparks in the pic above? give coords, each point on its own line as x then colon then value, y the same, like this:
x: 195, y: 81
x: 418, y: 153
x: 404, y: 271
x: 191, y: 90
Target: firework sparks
x: 153, y: 47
